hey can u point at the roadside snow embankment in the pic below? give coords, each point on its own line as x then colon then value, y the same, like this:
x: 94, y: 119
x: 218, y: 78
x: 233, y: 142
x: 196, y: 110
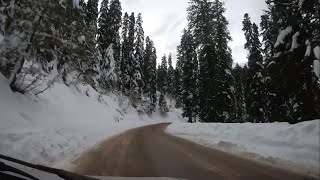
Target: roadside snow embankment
x: 54, y: 127
x: 296, y: 146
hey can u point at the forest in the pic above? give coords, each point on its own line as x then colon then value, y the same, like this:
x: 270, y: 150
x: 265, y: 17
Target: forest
x: 74, y: 41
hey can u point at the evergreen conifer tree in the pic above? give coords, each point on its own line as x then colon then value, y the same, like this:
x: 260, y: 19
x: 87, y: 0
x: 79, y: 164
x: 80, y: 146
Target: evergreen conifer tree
x: 255, y: 77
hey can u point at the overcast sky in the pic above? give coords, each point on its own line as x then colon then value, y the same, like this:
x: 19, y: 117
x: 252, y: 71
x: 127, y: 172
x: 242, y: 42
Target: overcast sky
x: 164, y: 21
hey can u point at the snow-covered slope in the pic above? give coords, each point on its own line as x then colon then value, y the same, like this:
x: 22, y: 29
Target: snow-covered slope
x: 56, y: 126
x: 279, y: 143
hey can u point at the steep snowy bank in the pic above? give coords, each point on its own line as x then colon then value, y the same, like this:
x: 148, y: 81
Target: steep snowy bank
x: 54, y: 127
x: 280, y: 143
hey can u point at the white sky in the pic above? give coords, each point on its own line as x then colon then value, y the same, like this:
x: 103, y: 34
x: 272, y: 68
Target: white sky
x: 164, y: 21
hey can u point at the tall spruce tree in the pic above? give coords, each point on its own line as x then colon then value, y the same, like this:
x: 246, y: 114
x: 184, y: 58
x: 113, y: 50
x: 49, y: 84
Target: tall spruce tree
x: 291, y: 80
x: 224, y: 81
x: 108, y: 37
x: 129, y: 65
x: 163, y: 76
x: 135, y: 84
x: 188, y: 57
x: 109, y: 24
x: 139, y: 54
x: 139, y: 42
x: 170, y: 79
x: 255, y: 77
x: 149, y: 73
x: 209, y: 28
x: 240, y: 76
x: 125, y: 54
x: 178, y: 82
x: 92, y: 10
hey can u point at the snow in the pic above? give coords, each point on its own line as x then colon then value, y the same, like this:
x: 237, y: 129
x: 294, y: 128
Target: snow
x: 54, y: 127
x: 295, y: 44
x: 308, y: 50
x: 316, y: 52
x: 76, y: 4
x: 1, y: 38
x: 282, y: 36
x: 111, y: 74
x: 301, y: 3
x: 81, y: 39
x: 278, y: 54
x: 316, y: 68
x: 295, y: 146
x: 228, y: 71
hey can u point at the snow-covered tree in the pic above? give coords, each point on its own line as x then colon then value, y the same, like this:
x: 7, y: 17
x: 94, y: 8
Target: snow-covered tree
x: 209, y: 28
x: 170, y: 79
x: 92, y: 10
x: 240, y: 77
x: 109, y: 25
x: 163, y: 105
x: 188, y: 58
x: 45, y: 35
x: 255, y: 98
x: 178, y: 83
x: 139, y: 41
x: 293, y: 92
x: 162, y: 76
x: 149, y: 73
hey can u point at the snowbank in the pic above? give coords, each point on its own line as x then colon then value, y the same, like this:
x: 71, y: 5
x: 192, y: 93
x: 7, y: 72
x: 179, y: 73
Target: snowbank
x: 279, y: 143
x: 54, y: 127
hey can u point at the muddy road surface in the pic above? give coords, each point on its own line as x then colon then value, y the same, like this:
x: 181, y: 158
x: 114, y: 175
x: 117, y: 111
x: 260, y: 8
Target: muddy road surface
x: 150, y: 152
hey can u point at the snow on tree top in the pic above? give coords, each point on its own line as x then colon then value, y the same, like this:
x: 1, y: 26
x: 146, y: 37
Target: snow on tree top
x: 316, y: 52
x: 316, y: 68
x: 76, y: 4
x: 1, y: 38
x: 228, y: 71
x: 282, y: 35
x: 308, y: 51
x: 295, y: 44
x: 301, y: 3
x: 81, y: 39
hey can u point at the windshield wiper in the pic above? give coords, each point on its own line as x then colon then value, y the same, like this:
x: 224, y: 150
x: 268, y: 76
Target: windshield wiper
x: 61, y: 173
x: 6, y: 168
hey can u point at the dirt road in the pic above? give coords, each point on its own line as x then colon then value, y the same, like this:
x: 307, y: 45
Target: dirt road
x: 150, y: 152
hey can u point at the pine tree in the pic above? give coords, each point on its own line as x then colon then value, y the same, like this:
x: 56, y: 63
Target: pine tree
x: 162, y: 76
x: 138, y: 56
x: 128, y: 63
x: 170, y: 79
x: 108, y: 36
x: 103, y: 25
x: 125, y: 54
x: 149, y: 72
x: 109, y: 24
x: 135, y: 83
x: 159, y: 83
x: 154, y: 77
x: 139, y: 42
x: 92, y: 10
x: 240, y: 76
x: 291, y: 80
x: 163, y: 105
x: 178, y: 83
x: 224, y: 80
x: 49, y: 39
x: 209, y: 28
x: 256, y: 81
x: 188, y: 57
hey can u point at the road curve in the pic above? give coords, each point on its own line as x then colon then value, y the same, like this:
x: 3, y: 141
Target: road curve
x: 150, y: 152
